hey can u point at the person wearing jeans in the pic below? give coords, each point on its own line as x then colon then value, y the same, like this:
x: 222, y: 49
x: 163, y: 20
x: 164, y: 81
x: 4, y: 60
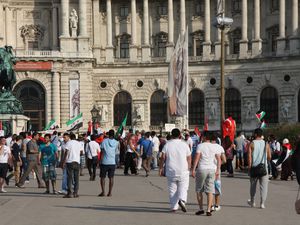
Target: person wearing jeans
x: 72, y: 163
x: 92, y: 150
x: 259, y: 152
x: 146, y: 152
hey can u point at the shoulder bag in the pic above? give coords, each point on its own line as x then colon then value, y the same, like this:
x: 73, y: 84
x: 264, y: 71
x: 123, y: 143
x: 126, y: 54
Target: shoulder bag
x: 259, y: 170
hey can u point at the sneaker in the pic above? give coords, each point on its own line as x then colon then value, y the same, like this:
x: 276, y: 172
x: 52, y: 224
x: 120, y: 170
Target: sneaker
x: 26, y: 181
x: 213, y: 208
x: 217, y: 208
x: 250, y: 203
x: 3, y: 190
x: 20, y: 185
x: 262, y: 206
x: 62, y: 192
x: 182, y: 205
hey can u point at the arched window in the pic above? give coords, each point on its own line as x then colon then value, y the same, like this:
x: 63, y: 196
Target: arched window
x: 196, y: 107
x: 269, y: 104
x: 158, y: 108
x: 233, y: 104
x: 299, y: 106
x: 122, y: 106
x: 32, y: 96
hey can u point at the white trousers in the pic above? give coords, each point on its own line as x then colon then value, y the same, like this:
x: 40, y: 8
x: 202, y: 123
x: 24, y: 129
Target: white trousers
x: 139, y: 163
x: 178, y: 190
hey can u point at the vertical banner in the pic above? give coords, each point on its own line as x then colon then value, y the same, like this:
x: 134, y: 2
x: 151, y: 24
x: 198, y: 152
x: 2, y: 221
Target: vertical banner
x: 178, y: 78
x: 74, y: 98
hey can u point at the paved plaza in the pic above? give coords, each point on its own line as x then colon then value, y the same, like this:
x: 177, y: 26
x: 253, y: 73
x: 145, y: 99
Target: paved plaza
x: 140, y: 200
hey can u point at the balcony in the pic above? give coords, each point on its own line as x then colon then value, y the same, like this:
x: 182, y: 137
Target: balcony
x: 51, y: 54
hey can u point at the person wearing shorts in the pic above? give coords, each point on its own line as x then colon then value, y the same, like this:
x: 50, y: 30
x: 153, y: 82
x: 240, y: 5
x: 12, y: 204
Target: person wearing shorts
x: 5, y: 156
x: 109, y: 148
x: 48, y: 156
x: 206, y: 174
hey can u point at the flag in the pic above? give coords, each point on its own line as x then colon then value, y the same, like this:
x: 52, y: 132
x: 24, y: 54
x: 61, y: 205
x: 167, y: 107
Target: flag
x: 205, y: 128
x: 51, y: 125
x: 178, y: 78
x: 263, y: 125
x: 75, y: 123
x: 260, y: 115
x: 229, y: 128
x: 197, y: 131
x: 121, y: 127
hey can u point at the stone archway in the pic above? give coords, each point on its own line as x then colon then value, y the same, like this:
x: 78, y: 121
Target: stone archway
x: 32, y: 96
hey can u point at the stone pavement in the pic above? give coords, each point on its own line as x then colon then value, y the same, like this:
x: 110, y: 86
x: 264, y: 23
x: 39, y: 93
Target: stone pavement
x: 139, y: 200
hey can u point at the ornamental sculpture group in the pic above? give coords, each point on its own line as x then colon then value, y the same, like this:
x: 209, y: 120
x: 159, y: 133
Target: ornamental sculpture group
x: 8, y: 102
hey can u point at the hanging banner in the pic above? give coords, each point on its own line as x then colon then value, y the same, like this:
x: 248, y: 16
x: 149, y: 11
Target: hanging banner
x: 33, y: 66
x: 74, y: 98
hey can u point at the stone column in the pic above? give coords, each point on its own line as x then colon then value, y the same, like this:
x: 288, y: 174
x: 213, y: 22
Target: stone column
x: 133, y: 47
x: 65, y: 18
x: 96, y: 31
x: 170, y: 45
x: 1, y: 24
x: 109, y: 46
x: 294, y: 40
x: 56, y: 97
x: 207, y: 43
x: 244, y: 41
x: 257, y: 42
x: 146, y: 47
x: 54, y: 28
x: 8, y: 19
x: 82, y: 18
x: 182, y: 17
x: 281, y: 39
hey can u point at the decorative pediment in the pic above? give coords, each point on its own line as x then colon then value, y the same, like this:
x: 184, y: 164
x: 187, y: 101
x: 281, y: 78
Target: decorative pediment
x: 33, y: 32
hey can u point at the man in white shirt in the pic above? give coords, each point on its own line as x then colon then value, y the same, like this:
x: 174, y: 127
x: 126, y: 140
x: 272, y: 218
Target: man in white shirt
x: 92, y: 150
x: 207, y: 172
x: 72, y: 162
x: 176, y: 156
x: 155, y: 149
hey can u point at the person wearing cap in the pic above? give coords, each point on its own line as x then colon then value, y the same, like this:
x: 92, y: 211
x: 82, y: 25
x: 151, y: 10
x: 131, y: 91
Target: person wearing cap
x: 285, y: 161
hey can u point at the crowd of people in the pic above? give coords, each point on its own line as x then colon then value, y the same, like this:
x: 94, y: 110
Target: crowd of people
x: 175, y: 156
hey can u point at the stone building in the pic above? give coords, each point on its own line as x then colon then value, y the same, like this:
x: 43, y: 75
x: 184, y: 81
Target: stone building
x: 73, y: 54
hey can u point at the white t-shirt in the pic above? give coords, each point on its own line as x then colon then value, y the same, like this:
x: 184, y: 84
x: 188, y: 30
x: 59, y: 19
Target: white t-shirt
x: 219, y: 150
x: 92, y: 149
x: 74, y: 147
x: 207, y: 156
x: 5, y: 154
x: 176, y: 152
x: 156, y: 144
x: 190, y: 142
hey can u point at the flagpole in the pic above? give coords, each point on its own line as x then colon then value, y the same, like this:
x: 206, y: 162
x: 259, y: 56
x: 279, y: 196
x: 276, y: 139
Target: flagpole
x: 187, y: 80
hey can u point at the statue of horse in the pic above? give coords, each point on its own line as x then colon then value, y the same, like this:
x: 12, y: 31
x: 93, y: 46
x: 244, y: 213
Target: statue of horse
x: 7, y: 73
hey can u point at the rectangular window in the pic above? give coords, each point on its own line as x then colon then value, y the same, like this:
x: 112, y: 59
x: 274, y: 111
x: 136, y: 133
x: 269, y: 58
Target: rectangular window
x: 162, y: 10
x: 124, y: 11
x: 33, y: 45
x: 274, y: 42
x: 124, y: 50
x: 200, y: 8
x: 236, y: 45
x: 199, y: 48
x: 161, y: 49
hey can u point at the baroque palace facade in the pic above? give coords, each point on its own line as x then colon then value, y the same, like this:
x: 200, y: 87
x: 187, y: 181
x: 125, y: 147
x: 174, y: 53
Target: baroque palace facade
x: 74, y: 54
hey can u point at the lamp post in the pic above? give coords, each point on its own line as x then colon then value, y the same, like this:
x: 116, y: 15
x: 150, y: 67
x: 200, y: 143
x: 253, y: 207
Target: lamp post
x: 221, y: 22
x: 95, y: 116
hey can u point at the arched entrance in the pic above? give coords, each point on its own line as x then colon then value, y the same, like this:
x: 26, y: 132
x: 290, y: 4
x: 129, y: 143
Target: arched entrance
x: 269, y: 104
x: 158, y: 108
x: 32, y: 96
x: 122, y: 106
x: 196, y: 107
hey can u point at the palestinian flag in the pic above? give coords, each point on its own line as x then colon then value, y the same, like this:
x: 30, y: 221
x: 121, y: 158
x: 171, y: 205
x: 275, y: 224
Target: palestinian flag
x: 260, y: 115
x: 121, y: 127
x: 51, y: 125
x: 263, y: 125
x: 75, y: 123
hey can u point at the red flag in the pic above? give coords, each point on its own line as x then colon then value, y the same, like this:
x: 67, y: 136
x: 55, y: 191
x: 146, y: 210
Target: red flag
x: 205, y: 128
x: 228, y: 128
x: 197, y: 131
x: 90, y: 127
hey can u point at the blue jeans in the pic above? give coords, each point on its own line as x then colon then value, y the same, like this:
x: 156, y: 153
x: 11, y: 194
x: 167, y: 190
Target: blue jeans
x: 24, y: 166
x: 64, y: 182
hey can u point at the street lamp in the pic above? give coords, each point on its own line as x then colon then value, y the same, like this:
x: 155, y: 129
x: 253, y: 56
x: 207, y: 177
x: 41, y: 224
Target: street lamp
x: 221, y: 22
x: 95, y: 115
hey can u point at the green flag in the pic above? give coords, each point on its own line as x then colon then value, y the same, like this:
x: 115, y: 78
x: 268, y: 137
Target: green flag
x: 121, y: 127
x: 51, y: 125
x: 75, y: 123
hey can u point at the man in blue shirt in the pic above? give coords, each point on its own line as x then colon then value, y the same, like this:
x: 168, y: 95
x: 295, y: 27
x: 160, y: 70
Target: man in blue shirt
x: 146, y: 152
x: 109, y: 147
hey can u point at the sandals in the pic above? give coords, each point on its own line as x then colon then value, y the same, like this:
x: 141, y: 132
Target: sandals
x: 200, y: 212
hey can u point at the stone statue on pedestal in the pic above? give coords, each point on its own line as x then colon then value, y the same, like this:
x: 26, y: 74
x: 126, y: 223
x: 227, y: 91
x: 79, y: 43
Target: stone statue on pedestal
x: 8, y: 102
x: 73, y: 23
